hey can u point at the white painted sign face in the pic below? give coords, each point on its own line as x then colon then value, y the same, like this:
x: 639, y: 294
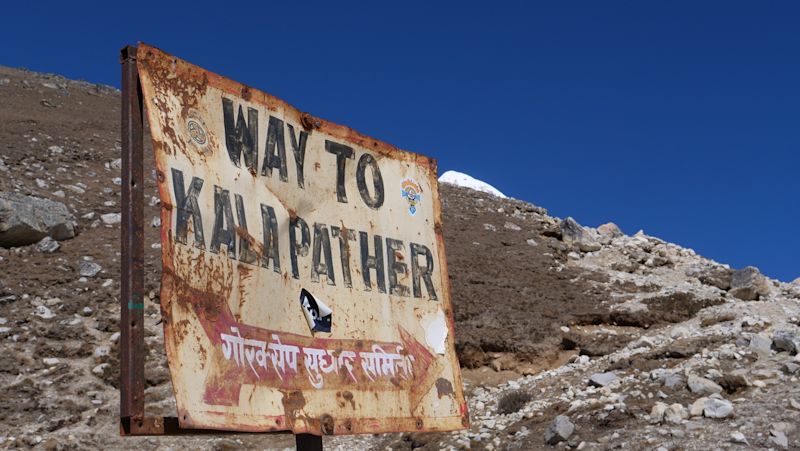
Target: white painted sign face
x: 304, y: 282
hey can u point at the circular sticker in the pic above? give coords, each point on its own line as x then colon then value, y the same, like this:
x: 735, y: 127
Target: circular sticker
x: 197, y: 132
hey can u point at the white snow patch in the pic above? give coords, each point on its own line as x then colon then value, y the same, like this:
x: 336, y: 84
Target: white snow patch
x: 461, y: 179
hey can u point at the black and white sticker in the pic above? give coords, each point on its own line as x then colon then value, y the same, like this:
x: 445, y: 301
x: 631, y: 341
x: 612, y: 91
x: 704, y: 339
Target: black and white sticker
x: 318, y: 315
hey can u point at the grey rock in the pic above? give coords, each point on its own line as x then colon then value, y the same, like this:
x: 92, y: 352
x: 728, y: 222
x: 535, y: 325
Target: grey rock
x: 573, y: 233
x: 779, y: 438
x: 602, y: 379
x: 760, y: 343
x: 748, y: 284
x: 47, y: 245
x: 609, y: 229
x: 100, y: 369
x: 44, y: 312
x: 88, y: 269
x: 643, y: 342
x: 697, y: 407
x: 26, y: 220
x: 560, y: 430
x: 658, y: 411
x: 675, y: 414
x: 111, y: 218
x: 783, y: 340
x: 673, y: 380
x: 571, y: 230
x: 717, y: 276
x: 738, y: 437
x: 717, y: 408
x: 703, y: 386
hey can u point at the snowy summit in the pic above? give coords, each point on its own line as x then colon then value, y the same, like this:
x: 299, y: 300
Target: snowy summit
x: 460, y: 179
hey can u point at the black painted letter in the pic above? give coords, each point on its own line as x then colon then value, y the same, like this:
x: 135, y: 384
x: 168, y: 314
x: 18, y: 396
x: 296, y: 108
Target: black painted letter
x: 425, y: 273
x: 342, y: 152
x: 376, y: 201
x: 345, y: 235
x: 322, y: 244
x: 246, y: 253
x: 296, y: 248
x: 188, y: 206
x: 372, y: 262
x: 271, y: 159
x: 223, y: 234
x: 243, y: 137
x: 394, y: 250
x: 299, y: 150
x: 269, y: 224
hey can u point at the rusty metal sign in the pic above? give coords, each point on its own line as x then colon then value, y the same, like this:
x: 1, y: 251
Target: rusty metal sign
x: 304, y: 281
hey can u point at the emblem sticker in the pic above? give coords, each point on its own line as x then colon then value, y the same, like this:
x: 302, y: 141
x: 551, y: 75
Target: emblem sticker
x: 412, y: 193
x: 196, y: 131
x: 318, y: 315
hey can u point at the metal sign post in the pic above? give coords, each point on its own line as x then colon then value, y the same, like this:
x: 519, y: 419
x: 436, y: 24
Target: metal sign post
x: 133, y: 421
x: 132, y: 283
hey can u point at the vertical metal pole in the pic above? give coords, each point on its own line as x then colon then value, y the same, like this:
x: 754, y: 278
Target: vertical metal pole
x: 308, y: 442
x: 131, y: 344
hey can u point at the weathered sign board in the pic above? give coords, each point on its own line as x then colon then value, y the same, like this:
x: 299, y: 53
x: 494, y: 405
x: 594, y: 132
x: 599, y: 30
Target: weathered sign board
x: 304, y: 281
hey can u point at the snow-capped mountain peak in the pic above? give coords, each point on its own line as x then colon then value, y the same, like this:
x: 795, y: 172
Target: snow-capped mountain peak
x: 461, y: 179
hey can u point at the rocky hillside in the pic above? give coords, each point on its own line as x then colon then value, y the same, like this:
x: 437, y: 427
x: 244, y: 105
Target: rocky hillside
x: 568, y: 336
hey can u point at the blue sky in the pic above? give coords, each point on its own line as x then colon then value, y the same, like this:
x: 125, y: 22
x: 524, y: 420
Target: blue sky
x: 679, y: 118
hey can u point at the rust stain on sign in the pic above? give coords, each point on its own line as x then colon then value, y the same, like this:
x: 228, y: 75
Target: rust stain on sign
x: 304, y: 281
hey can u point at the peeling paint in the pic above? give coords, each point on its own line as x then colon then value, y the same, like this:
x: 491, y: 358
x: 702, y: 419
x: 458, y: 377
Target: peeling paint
x: 436, y: 333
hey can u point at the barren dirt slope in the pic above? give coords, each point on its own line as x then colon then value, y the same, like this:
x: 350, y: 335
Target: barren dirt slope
x: 542, y: 306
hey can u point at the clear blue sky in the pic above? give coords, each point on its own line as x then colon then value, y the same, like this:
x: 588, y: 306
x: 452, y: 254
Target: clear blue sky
x: 679, y: 118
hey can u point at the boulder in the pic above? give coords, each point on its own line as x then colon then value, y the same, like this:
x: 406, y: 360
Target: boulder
x: 738, y: 437
x: 658, y: 411
x: 88, y: 269
x: 675, y: 414
x: 697, y: 407
x: 26, y: 220
x: 748, y: 284
x: 602, y: 379
x: 111, y: 218
x: 703, y: 386
x: 47, y: 245
x: 779, y: 438
x: 560, y: 430
x: 784, y: 340
x: 760, y: 343
x: 573, y: 233
x: 717, y: 408
x: 609, y: 229
x: 717, y: 276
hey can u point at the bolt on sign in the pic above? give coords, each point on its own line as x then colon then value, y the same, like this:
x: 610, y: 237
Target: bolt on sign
x: 304, y: 281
